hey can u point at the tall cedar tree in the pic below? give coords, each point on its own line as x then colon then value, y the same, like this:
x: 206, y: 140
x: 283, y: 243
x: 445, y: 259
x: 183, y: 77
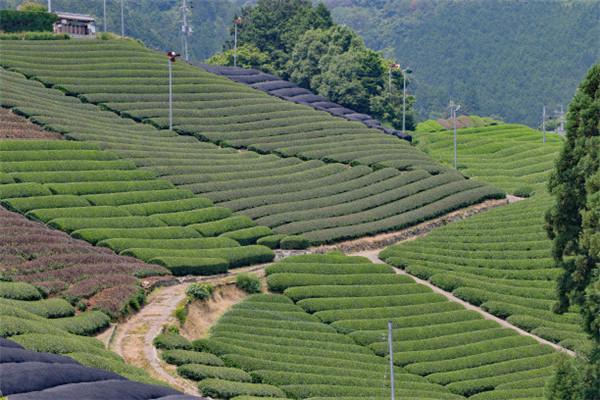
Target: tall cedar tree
x: 574, y: 221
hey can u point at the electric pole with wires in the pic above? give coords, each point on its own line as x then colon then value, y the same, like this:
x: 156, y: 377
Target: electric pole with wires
x: 186, y: 29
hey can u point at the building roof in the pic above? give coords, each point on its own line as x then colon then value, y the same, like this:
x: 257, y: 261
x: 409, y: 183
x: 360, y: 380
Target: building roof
x: 78, y: 17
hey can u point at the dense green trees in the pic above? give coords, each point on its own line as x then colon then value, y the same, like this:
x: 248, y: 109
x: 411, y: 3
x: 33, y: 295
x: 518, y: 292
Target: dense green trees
x: 298, y: 41
x: 495, y: 57
x: 574, y: 221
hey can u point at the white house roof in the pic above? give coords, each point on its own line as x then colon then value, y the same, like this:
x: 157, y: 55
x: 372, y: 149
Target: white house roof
x: 73, y: 16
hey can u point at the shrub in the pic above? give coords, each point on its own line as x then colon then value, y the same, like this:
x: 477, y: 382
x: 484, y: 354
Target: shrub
x: 524, y: 191
x: 197, y: 372
x: 294, y: 242
x: 26, y: 204
x: 216, y: 228
x: 87, y: 323
x: 47, y: 308
x: 19, y: 291
x: 200, y: 291
x: 168, y: 206
x: 194, y: 216
x: 249, y: 283
x: 47, y: 214
x: 121, y: 244
x: 248, y: 236
x: 180, y: 266
x: 21, y: 21
x: 181, y: 357
x: 226, y: 389
x: 171, y: 341
x: 271, y: 241
x: 94, y: 235
x: 27, y: 189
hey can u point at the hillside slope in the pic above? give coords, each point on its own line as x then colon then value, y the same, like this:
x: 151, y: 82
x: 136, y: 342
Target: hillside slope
x: 494, y: 57
x: 510, y: 156
x: 320, y: 194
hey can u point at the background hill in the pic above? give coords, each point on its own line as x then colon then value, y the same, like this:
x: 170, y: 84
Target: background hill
x: 506, y: 59
x: 503, y: 58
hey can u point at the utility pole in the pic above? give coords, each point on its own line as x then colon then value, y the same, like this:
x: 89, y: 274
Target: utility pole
x: 49, y: 6
x: 453, y: 109
x: 236, y: 22
x: 405, y: 72
x: 544, y: 124
x: 562, y: 120
x: 391, y: 351
x: 122, y: 18
x: 172, y: 57
x: 104, y: 8
x: 186, y: 29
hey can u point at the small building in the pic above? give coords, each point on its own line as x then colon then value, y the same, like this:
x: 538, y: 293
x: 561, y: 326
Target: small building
x: 78, y: 25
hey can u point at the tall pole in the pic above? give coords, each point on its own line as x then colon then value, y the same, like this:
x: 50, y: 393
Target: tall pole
x: 390, y: 81
x: 544, y: 124
x: 235, y: 44
x: 185, y: 29
x: 403, y: 103
x: 122, y: 18
x: 391, y: 351
x: 170, y: 94
x: 453, y: 109
x: 562, y: 120
x: 104, y: 9
x: 49, y: 5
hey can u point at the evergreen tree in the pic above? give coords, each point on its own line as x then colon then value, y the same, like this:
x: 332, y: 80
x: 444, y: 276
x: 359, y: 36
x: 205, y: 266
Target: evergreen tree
x: 574, y: 221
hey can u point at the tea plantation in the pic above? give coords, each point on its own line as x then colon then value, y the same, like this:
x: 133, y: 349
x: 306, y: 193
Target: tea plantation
x: 500, y: 260
x: 325, y: 201
x: 98, y: 197
x: 512, y: 157
x: 325, y: 337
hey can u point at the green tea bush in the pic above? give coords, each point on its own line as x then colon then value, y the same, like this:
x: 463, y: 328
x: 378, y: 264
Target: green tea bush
x: 19, y: 291
x: 248, y: 236
x: 121, y: 244
x: 26, y: 204
x: 271, y: 241
x: 28, y: 189
x: 74, y: 224
x: 48, y: 214
x: 249, y: 283
x: 95, y: 235
x: 226, y: 389
x: 142, y: 196
x: 87, y: 323
x: 216, y: 228
x: 181, y: 357
x: 181, y: 266
x: 168, y: 206
x: 197, y: 372
x: 171, y: 341
x: 194, y: 216
x: 294, y: 242
x: 47, y: 308
x: 200, y: 291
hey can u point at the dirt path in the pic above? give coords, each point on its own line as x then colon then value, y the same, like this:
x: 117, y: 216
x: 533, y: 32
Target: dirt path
x: 373, y: 256
x: 386, y: 239
x: 133, y: 338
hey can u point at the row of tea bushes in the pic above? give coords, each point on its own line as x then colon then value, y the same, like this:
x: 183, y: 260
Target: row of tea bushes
x: 309, y: 180
x: 433, y: 337
x: 97, y: 212
x: 501, y: 261
x: 284, y: 351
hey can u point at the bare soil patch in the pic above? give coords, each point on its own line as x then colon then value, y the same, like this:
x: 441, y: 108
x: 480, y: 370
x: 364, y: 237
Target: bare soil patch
x: 13, y: 126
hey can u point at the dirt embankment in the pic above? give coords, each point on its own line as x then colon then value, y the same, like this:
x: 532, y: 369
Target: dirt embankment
x: 204, y: 314
x: 386, y: 239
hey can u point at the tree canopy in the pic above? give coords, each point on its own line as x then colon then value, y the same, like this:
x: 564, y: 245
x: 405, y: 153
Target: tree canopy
x: 303, y: 44
x: 574, y: 221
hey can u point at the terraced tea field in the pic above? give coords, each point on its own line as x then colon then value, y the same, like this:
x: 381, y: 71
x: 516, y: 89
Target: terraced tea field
x: 500, y: 260
x: 323, y: 201
x: 53, y: 325
x: 93, y: 277
x: 132, y: 80
x: 509, y: 156
x: 98, y: 197
x: 325, y: 337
